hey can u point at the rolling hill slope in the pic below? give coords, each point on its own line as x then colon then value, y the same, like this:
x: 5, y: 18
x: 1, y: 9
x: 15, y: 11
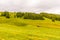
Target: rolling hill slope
x: 22, y: 29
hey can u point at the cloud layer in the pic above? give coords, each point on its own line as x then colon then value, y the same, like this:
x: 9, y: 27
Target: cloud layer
x: 30, y: 5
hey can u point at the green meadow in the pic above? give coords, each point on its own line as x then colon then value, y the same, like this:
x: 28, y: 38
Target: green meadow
x: 16, y: 28
x: 26, y: 29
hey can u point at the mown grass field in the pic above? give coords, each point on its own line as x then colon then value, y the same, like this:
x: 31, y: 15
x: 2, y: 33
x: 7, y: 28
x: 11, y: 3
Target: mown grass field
x: 23, y: 29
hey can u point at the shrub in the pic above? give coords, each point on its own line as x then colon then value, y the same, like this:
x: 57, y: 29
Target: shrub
x: 53, y: 20
x: 19, y: 23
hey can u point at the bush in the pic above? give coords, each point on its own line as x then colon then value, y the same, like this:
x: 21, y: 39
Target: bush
x: 53, y: 20
x: 19, y: 24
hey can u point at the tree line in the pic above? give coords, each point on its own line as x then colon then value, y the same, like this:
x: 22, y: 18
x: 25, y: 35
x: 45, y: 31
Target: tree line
x: 25, y: 15
x: 33, y: 16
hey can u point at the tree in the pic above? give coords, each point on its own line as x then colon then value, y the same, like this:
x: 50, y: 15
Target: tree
x: 6, y: 14
x: 33, y: 16
x: 19, y: 14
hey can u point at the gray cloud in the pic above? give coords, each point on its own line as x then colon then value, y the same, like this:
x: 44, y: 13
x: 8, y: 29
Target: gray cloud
x: 30, y: 5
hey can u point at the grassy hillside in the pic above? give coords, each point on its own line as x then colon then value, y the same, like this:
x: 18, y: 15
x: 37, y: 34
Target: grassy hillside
x: 25, y: 29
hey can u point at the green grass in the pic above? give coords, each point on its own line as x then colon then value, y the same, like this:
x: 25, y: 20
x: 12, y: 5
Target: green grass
x: 23, y: 29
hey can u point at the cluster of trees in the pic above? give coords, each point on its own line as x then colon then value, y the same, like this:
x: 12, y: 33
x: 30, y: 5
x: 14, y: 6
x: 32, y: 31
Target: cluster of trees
x: 53, y: 17
x: 33, y: 16
x: 29, y: 15
x: 25, y: 15
x: 5, y: 14
x: 20, y: 14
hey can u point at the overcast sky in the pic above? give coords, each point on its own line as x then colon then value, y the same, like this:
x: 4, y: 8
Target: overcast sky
x: 30, y: 5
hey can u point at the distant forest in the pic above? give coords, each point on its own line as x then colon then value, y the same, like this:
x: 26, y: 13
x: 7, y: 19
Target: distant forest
x: 32, y: 16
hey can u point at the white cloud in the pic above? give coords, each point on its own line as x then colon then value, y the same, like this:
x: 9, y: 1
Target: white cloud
x: 30, y: 5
